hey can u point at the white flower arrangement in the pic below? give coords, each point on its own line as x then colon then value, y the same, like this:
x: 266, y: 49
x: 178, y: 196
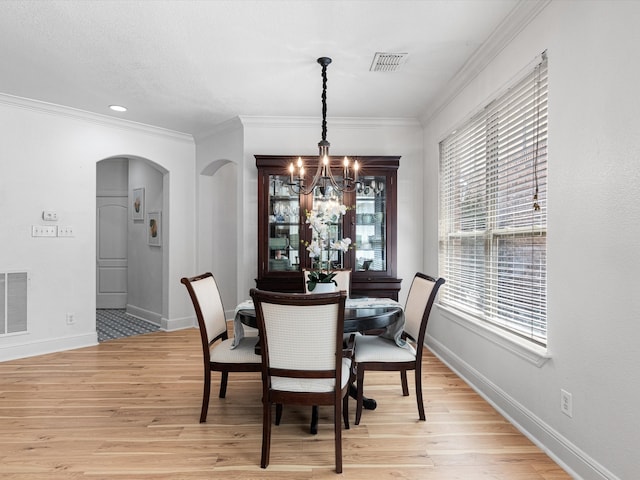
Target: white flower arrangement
x: 320, y: 219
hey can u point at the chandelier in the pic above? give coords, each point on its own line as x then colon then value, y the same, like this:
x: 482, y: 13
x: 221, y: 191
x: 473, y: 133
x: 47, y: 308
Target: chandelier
x: 323, y: 177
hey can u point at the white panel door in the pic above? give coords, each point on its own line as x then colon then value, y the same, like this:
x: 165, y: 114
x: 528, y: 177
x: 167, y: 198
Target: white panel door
x: 111, y: 252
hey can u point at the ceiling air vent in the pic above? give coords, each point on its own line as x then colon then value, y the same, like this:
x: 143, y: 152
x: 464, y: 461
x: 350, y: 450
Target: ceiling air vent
x: 387, y: 62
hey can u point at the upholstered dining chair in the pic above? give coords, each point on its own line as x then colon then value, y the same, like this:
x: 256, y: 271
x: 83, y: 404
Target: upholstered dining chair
x: 218, y: 355
x: 302, y: 357
x: 374, y: 352
x: 342, y: 279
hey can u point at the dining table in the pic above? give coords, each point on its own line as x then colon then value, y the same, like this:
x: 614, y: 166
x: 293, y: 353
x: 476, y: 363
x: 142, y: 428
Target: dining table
x: 362, y: 314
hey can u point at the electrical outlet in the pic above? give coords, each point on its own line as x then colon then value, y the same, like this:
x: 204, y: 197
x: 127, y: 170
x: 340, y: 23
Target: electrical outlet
x: 71, y: 319
x: 566, y: 403
x: 65, y: 231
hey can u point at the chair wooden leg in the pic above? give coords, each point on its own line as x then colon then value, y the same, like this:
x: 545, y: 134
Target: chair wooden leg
x: 405, y: 385
x: 205, y: 396
x: 223, y: 384
x: 313, y: 427
x: 359, y: 394
x: 345, y: 410
x: 266, y: 434
x: 421, y: 414
x: 278, y: 413
x: 337, y: 422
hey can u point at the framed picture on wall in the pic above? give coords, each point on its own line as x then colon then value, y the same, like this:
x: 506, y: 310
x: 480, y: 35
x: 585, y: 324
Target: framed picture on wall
x: 154, y: 229
x: 137, y: 203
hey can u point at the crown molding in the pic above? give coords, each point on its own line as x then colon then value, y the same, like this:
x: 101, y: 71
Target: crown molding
x: 524, y: 12
x: 103, y: 120
x: 221, y: 128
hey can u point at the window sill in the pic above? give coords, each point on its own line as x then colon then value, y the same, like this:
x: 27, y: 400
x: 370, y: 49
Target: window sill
x: 532, y: 353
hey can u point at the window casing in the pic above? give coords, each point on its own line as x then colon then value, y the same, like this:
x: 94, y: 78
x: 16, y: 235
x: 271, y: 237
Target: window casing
x: 493, y: 211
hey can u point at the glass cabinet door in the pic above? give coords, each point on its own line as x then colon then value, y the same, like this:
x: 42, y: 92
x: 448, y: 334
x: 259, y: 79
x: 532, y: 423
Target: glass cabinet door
x: 371, y: 224
x: 283, y: 226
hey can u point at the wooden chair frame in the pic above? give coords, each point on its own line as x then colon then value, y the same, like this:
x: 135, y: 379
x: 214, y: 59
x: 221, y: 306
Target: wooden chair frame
x: 213, y: 330
x: 401, y: 366
x: 337, y: 397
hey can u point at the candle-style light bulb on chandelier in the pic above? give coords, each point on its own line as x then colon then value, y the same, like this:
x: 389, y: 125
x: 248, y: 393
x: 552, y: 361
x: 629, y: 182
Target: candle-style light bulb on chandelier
x: 323, y: 176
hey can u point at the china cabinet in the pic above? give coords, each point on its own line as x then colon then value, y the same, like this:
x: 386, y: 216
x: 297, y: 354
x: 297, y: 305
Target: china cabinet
x: 370, y: 222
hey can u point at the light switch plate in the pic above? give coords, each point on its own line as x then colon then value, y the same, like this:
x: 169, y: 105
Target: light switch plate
x: 65, y: 231
x: 44, y: 231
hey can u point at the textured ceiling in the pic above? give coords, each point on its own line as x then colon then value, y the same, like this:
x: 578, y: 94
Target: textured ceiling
x: 190, y: 65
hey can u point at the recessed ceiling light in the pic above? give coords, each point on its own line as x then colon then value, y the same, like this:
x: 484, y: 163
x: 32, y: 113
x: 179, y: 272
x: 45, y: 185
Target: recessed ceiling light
x: 118, y: 108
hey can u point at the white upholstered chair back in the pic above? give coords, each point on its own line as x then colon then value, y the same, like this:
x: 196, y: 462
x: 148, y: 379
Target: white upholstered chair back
x: 208, y: 295
x: 301, y: 337
x: 417, y: 302
x: 302, y: 333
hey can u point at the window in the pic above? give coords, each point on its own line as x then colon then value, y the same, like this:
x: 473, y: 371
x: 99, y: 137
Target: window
x: 493, y: 211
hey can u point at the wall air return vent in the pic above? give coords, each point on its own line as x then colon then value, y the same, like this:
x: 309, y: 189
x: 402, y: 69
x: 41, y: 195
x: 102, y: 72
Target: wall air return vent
x: 13, y: 302
x: 387, y: 62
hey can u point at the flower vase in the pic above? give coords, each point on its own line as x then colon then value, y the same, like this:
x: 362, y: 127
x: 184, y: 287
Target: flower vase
x: 324, y: 288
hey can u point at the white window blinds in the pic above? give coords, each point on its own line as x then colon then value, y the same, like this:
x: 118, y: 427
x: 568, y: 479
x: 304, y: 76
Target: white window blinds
x: 493, y: 211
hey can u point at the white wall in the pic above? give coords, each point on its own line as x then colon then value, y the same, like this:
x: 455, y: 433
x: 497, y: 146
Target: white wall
x: 593, y: 241
x: 48, y: 158
x: 145, y: 262
x: 112, y: 177
x: 219, y: 156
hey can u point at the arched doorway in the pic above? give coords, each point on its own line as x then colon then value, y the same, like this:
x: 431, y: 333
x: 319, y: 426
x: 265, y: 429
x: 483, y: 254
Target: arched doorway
x: 129, y: 254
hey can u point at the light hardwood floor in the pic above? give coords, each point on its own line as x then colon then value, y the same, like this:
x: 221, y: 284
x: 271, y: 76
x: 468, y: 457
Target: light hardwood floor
x: 129, y: 409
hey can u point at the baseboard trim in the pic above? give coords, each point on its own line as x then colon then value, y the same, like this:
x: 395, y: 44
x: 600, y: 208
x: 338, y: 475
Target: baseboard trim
x: 32, y: 349
x: 172, y: 324
x: 146, y: 315
x: 575, y: 461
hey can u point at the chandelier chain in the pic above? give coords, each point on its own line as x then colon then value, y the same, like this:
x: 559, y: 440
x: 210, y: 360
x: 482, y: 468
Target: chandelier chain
x: 324, y: 102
